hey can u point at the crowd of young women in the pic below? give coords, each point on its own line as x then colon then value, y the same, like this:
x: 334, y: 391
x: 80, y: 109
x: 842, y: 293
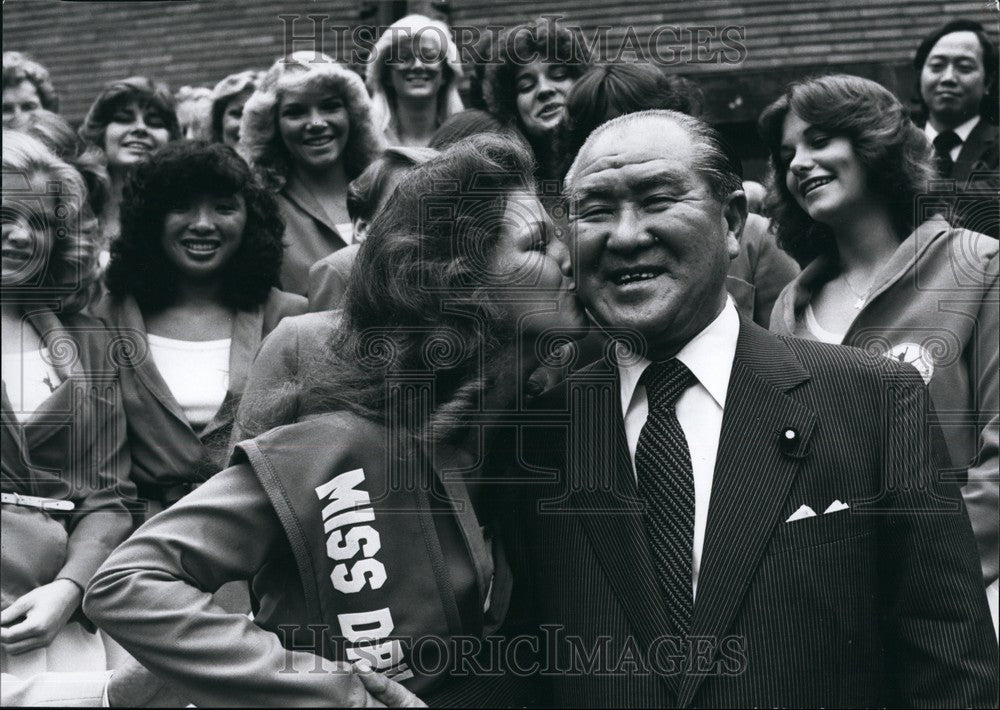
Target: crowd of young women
x: 143, y: 273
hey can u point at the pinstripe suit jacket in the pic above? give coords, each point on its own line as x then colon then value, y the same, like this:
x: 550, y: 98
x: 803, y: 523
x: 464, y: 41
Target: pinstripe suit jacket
x: 878, y: 605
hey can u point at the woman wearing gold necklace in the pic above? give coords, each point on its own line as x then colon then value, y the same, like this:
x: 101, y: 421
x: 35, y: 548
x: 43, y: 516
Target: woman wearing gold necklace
x: 883, y: 271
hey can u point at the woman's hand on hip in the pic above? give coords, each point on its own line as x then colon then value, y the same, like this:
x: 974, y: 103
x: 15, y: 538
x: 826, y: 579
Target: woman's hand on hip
x: 386, y: 691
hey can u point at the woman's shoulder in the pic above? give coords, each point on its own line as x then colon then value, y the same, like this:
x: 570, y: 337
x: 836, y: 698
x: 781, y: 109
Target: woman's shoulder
x: 316, y: 444
x: 321, y: 426
x: 299, y: 331
x: 107, y: 309
x: 975, y: 245
x: 84, y: 327
x: 80, y: 340
x: 281, y: 304
x: 969, y: 257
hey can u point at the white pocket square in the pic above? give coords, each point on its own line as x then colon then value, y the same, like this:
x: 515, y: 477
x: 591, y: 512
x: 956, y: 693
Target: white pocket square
x: 804, y: 511
x: 835, y: 506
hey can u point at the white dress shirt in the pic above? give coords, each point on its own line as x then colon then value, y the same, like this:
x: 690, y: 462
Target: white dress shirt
x: 961, y: 131
x: 709, y: 356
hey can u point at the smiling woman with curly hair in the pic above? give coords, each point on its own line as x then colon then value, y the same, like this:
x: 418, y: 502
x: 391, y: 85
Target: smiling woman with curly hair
x: 192, y: 287
x: 308, y: 131
x: 536, y: 65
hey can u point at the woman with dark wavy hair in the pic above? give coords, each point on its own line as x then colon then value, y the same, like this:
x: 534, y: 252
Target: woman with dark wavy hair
x: 367, y: 516
x: 128, y: 120
x: 882, y: 270
x: 308, y: 131
x: 192, y: 287
x: 534, y: 67
x: 65, y: 457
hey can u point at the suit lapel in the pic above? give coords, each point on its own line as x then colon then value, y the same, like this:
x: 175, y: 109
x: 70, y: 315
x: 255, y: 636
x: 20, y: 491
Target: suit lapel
x: 753, y: 475
x: 982, y: 135
x: 607, y: 503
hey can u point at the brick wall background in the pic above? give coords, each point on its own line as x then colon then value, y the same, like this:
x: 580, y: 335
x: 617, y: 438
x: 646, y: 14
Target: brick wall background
x: 198, y: 42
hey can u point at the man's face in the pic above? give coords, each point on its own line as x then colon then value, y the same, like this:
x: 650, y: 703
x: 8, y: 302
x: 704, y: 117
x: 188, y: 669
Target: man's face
x: 652, y: 244
x: 953, y: 79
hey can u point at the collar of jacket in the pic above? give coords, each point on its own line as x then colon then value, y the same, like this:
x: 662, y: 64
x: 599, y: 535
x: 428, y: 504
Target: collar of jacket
x: 824, y: 268
x: 246, y: 337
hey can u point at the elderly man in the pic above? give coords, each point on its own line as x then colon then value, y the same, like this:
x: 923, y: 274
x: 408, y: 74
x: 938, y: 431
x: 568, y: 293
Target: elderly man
x: 722, y: 517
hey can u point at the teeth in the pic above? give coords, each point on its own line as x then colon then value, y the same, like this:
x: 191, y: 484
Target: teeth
x: 813, y: 184
x: 630, y: 278
x: 201, y: 246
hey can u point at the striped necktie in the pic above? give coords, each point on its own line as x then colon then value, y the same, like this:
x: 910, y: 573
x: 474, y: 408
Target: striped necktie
x: 666, y: 482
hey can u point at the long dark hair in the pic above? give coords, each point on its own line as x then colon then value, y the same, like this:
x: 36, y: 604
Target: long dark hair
x: 175, y: 175
x: 547, y: 41
x: 419, y: 304
x: 895, y: 154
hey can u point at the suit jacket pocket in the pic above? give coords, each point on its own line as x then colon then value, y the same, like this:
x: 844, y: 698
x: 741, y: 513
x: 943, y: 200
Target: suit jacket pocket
x: 819, y: 530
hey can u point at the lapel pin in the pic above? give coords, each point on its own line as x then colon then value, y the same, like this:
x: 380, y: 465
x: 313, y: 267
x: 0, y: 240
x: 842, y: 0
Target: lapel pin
x: 790, y: 443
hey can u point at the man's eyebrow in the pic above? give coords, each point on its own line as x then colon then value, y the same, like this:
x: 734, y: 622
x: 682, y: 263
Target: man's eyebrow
x: 651, y: 182
x: 948, y: 54
x: 577, y: 194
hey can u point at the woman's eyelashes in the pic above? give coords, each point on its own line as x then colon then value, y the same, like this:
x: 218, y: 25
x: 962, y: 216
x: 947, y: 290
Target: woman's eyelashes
x: 150, y: 118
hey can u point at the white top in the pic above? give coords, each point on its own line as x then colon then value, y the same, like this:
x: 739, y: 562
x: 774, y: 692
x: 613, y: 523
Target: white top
x: 196, y: 371
x: 819, y: 332
x: 30, y: 380
x: 709, y: 356
x: 962, y: 132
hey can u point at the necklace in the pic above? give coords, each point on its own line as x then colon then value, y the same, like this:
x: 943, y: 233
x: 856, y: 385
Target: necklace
x: 861, y: 296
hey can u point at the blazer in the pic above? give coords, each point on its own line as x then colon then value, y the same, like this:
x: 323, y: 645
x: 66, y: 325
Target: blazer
x: 73, y: 447
x: 759, y: 272
x: 166, y: 450
x: 878, y: 605
x: 309, y: 235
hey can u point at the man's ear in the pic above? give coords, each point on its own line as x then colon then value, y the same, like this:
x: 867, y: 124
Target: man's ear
x: 734, y: 211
